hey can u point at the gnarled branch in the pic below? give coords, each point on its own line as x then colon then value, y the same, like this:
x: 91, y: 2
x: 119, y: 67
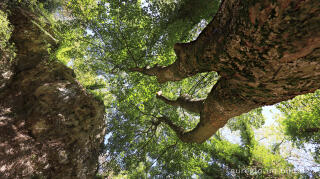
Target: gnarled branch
x: 260, y: 56
x: 184, y: 101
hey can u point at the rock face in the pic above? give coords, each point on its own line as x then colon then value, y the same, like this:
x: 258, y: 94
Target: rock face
x: 49, y: 125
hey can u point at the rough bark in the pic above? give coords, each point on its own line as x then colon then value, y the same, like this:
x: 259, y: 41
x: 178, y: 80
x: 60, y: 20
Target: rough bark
x: 49, y: 125
x: 184, y: 101
x: 264, y: 51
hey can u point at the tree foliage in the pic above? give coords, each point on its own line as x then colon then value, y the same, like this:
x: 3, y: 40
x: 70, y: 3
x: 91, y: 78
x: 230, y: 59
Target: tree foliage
x: 101, y: 40
x: 109, y: 37
x: 5, y: 33
x: 301, y: 121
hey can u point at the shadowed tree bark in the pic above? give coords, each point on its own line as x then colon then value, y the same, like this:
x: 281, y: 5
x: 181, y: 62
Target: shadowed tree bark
x: 264, y: 51
x: 50, y: 127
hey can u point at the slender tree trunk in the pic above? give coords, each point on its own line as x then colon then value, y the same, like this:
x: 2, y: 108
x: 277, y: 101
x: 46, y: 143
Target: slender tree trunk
x: 264, y: 51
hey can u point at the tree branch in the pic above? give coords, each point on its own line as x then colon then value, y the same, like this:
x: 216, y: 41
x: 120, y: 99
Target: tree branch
x: 180, y: 69
x: 177, y: 129
x: 189, y: 61
x: 216, y: 110
x: 244, y: 43
x: 184, y: 101
x: 163, y: 74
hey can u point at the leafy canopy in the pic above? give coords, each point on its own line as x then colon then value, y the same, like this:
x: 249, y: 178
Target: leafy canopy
x: 102, y: 39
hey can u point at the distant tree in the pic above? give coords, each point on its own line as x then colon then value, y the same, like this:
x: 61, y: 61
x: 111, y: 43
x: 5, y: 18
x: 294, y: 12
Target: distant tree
x: 250, y: 159
x: 301, y: 121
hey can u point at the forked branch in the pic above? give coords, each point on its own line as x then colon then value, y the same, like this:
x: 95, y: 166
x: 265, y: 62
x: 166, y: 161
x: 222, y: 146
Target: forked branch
x: 244, y: 44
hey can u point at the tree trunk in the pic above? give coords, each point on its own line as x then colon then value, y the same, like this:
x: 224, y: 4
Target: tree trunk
x: 49, y: 126
x: 264, y: 51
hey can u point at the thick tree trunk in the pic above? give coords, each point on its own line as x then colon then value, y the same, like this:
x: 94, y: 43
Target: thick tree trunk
x: 265, y: 52
x: 49, y: 126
